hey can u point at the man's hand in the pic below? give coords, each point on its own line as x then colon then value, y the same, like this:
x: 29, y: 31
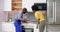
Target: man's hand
x: 25, y: 21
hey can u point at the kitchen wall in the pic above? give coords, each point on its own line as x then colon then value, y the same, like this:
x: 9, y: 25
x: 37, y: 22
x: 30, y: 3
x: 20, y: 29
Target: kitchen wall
x: 25, y: 3
x: 12, y: 14
x: 28, y: 3
x: 1, y: 8
x: 30, y: 15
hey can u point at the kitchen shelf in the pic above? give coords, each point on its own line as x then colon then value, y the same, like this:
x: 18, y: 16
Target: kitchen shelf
x: 17, y: 2
x: 16, y: 8
x: 16, y: 5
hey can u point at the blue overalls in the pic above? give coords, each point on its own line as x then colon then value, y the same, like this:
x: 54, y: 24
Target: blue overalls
x: 17, y: 22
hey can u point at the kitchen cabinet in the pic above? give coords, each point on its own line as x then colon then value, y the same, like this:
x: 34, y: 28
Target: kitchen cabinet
x: 16, y: 5
x: 7, y: 5
x: 8, y: 27
x: 12, y: 5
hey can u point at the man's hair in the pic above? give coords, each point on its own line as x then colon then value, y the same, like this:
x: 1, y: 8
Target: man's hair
x: 35, y: 7
x: 24, y: 10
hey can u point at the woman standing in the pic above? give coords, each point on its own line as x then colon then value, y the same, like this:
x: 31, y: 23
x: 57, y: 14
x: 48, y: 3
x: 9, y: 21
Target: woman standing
x: 40, y: 18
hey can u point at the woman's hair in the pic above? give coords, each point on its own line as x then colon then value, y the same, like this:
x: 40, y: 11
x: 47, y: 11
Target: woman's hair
x: 35, y: 7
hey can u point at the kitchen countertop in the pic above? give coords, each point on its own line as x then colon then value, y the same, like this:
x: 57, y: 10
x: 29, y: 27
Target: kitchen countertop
x: 29, y: 25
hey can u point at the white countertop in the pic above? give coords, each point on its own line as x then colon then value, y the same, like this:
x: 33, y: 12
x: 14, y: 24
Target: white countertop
x: 29, y: 25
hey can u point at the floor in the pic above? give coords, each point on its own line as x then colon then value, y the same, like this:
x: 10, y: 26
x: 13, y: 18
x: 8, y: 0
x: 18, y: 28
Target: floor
x: 8, y: 27
x: 53, y: 28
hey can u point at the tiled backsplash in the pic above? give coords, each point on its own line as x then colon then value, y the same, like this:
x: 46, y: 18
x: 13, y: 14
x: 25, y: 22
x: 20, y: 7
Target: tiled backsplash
x: 30, y: 15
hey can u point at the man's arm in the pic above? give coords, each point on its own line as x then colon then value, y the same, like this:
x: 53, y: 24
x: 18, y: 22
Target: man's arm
x: 18, y: 16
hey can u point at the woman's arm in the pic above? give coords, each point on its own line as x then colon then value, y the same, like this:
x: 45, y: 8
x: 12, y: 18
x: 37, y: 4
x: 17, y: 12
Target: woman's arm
x: 38, y: 21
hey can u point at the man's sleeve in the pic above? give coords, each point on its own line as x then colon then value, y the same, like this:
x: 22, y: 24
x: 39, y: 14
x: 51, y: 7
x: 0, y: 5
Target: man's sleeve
x: 18, y: 16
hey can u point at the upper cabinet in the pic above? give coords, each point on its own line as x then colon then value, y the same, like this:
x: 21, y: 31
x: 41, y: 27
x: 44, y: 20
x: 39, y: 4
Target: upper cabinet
x: 12, y: 5
x: 7, y: 5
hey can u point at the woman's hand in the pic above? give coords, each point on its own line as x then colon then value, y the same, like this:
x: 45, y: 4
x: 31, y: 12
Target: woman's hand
x: 38, y: 21
x: 36, y: 27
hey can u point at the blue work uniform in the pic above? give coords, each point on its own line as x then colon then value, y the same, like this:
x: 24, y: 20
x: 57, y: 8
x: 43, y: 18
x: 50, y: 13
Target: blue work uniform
x: 17, y: 22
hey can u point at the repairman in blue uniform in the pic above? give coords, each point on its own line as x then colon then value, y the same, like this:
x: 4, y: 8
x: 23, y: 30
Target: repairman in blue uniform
x: 18, y: 19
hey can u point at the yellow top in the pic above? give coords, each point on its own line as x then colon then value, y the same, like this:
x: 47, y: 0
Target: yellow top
x: 39, y: 15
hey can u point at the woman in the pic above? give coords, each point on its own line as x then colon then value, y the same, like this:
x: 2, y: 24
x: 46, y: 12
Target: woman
x: 18, y: 19
x: 40, y: 18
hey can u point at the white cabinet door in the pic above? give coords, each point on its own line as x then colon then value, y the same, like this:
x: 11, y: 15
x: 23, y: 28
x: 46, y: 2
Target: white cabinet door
x: 7, y: 5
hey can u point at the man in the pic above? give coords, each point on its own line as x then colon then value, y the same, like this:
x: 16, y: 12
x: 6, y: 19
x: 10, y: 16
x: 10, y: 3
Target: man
x: 18, y: 19
x: 40, y: 18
